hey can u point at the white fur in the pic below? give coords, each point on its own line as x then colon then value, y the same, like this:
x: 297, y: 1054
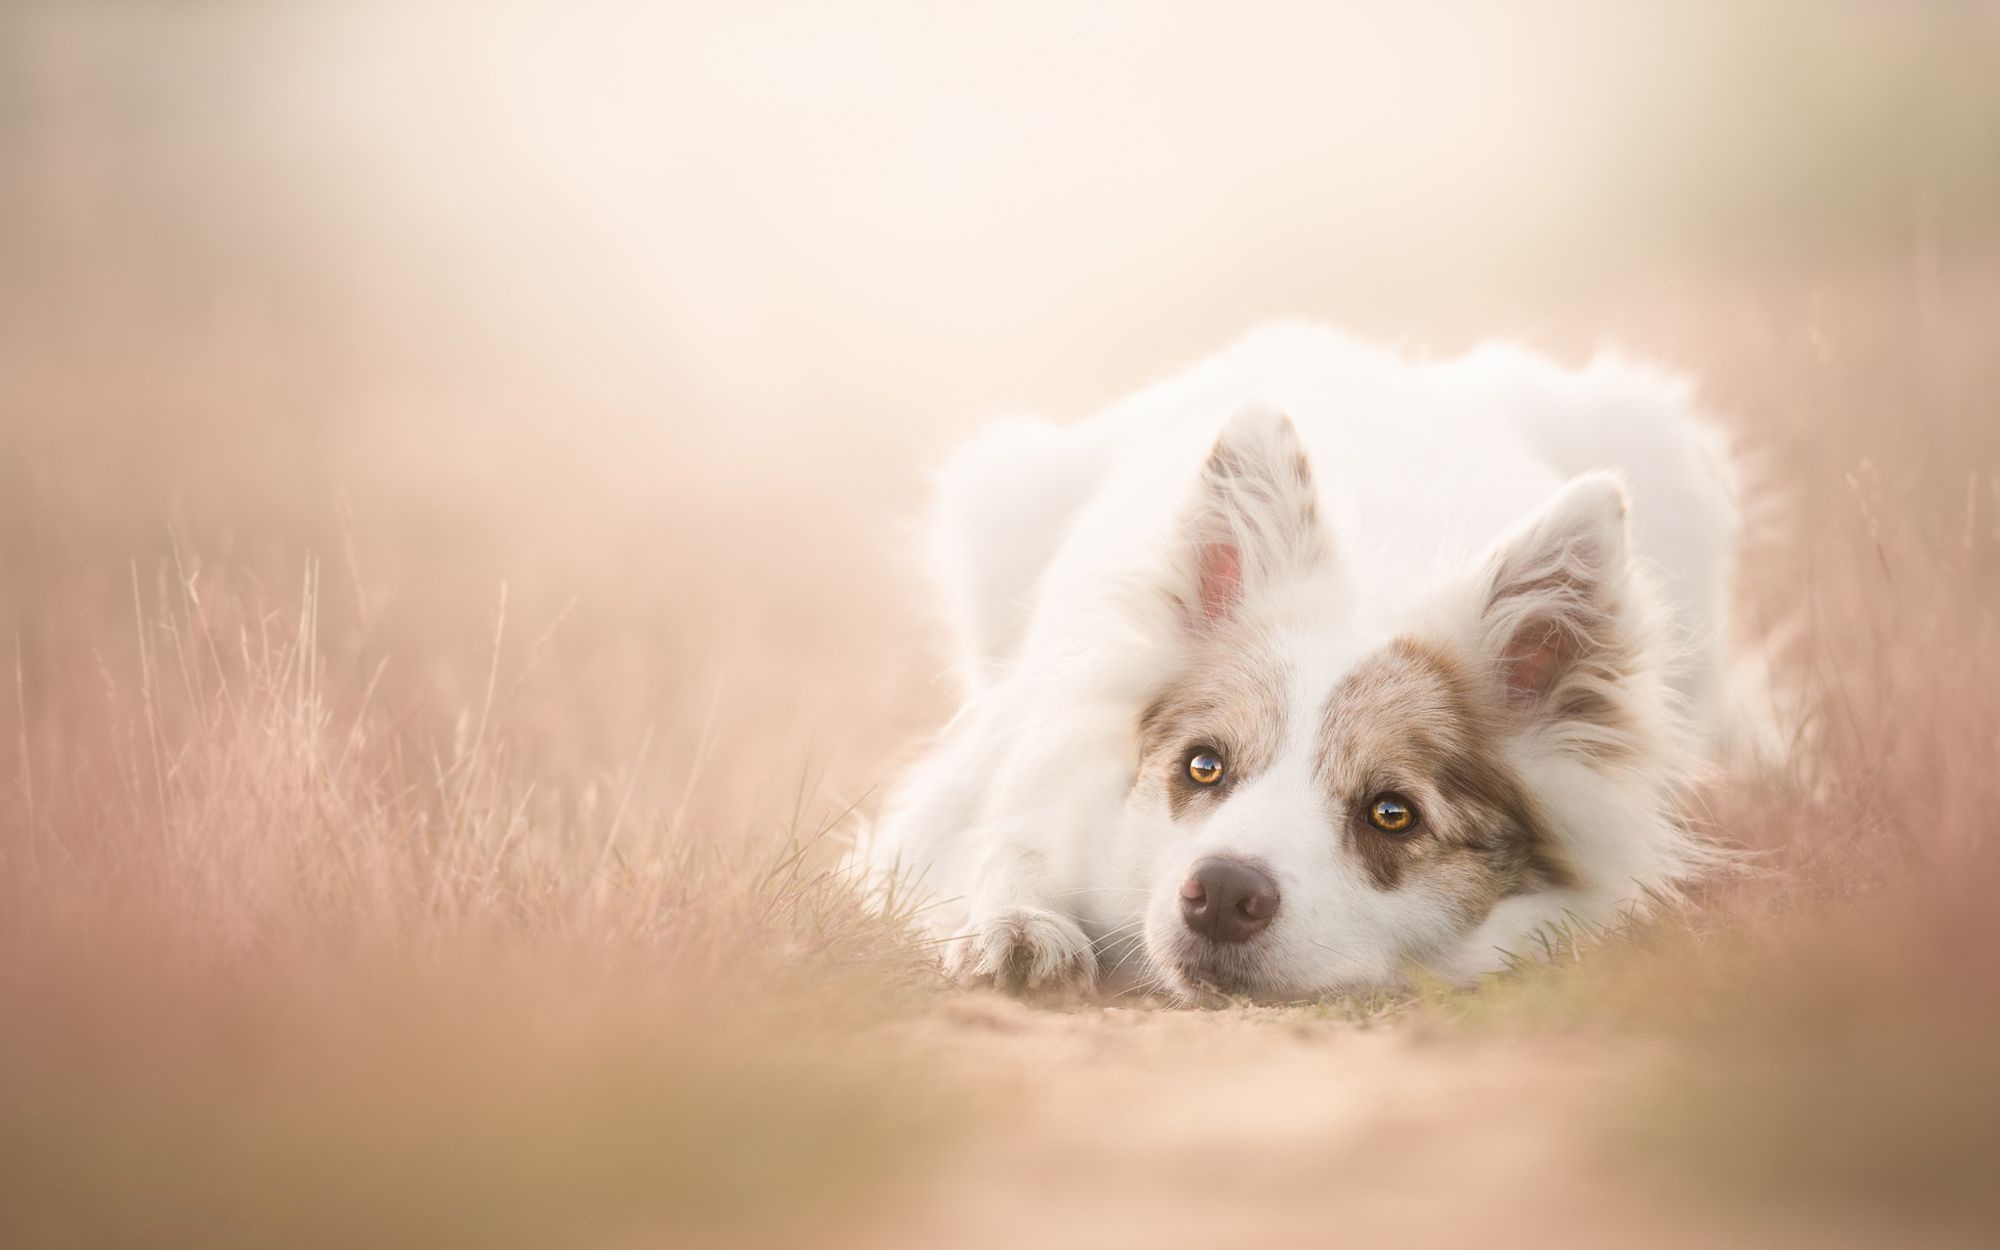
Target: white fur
x: 1022, y: 830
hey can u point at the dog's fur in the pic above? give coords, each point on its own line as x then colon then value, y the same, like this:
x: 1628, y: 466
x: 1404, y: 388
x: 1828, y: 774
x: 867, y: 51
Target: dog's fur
x: 1491, y: 586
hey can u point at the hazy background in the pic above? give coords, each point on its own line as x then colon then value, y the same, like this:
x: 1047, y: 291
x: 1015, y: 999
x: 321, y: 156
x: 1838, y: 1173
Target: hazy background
x: 588, y: 361
x: 665, y: 309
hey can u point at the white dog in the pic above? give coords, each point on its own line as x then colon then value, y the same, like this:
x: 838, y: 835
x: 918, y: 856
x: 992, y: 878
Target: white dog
x: 1313, y: 665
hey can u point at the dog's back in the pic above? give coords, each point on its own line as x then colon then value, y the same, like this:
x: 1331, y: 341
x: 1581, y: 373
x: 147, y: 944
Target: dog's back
x: 1463, y: 438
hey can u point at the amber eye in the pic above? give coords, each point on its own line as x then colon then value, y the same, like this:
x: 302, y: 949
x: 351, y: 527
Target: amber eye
x: 1391, y: 813
x: 1204, y: 768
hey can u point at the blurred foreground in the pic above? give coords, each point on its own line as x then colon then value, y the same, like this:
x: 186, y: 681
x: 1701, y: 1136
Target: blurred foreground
x: 457, y: 581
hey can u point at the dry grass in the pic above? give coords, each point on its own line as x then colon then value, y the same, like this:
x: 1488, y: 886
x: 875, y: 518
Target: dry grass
x: 284, y: 975
x: 441, y: 661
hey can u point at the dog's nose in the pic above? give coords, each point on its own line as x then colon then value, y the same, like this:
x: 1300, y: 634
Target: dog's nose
x: 1228, y: 900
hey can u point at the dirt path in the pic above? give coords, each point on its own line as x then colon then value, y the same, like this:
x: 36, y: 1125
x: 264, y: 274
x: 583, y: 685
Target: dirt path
x: 1267, y: 1127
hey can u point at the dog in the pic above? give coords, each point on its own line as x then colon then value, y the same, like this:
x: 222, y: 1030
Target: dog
x: 1315, y: 667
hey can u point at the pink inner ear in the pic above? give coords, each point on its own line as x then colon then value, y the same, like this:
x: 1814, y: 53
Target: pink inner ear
x: 1534, y: 660
x: 1221, y: 579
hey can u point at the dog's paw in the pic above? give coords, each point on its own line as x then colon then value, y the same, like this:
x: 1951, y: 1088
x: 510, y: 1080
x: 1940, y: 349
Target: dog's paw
x: 1025, y: 948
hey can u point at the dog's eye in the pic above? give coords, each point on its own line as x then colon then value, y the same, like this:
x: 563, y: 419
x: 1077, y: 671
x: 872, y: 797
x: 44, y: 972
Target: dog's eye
x: 1391, y: 813
x: 1204, y: 768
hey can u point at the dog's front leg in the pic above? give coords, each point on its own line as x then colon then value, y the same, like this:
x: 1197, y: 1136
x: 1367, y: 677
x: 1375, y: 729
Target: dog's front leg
x: 1018, y: 938
x: 1055, y: 780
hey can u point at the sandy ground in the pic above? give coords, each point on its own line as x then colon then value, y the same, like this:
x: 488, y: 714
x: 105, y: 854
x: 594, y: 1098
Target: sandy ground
x: 1267, y: 1126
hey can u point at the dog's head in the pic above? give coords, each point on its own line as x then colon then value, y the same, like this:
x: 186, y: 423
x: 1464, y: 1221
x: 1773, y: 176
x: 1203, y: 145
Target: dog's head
x: 1329, y: 788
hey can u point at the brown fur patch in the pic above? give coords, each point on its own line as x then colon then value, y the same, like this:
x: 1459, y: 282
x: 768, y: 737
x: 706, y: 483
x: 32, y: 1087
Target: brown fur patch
x: 1233, y: 704
x: 1409, y: 721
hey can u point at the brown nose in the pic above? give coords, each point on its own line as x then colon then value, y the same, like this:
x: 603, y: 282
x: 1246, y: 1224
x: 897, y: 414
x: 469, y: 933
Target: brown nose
x: 1228, y: 900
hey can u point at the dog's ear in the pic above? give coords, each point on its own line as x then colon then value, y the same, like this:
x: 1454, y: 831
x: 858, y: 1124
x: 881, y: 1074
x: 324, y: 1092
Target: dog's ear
x: 1255, y: 518
x: 1552, y: 621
